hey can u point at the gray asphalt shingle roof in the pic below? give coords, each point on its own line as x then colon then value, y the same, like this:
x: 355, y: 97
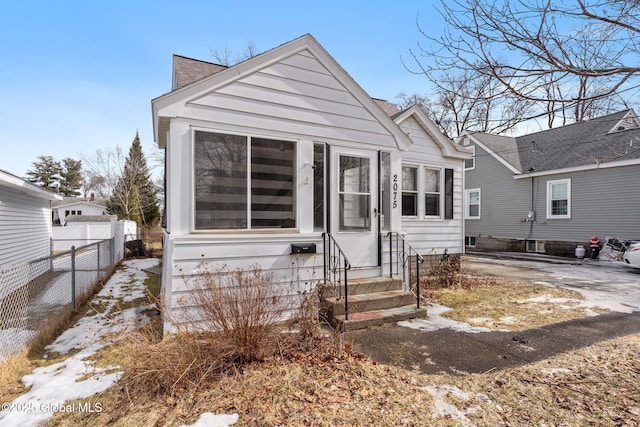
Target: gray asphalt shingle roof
x: 578, y: 144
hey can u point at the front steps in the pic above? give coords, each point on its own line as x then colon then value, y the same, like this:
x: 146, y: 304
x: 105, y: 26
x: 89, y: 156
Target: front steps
x: 372, y: 301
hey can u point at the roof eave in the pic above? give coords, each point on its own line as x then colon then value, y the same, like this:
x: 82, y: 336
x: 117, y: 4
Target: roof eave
x: 14, y: 182
x: 447, y: 146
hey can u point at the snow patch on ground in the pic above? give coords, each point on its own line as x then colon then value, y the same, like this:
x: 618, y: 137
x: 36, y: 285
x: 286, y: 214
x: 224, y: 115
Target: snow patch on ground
x: 75, y: 377
x: 209, y: 419
x: 436, y: 321
x: 553, y: 371
x: 446, y: 410
x: 508, y: 320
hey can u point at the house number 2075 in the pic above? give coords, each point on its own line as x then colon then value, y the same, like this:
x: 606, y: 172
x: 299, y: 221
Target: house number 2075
x: 395, y: 190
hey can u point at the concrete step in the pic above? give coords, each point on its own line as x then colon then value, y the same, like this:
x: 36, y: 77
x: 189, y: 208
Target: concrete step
x: 370, y: 301
x: 371, y: 318
x: 368, y: 285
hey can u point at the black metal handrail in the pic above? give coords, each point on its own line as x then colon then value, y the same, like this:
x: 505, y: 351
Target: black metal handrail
x: 400, y: 257
x: 336, y: 265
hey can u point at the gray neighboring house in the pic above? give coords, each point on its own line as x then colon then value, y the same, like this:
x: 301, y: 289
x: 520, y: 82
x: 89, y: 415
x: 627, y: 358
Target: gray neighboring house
x: 552, y: 190
x: 25, y: 220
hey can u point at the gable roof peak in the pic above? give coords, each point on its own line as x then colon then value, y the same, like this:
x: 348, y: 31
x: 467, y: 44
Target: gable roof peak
x: 170, y: 104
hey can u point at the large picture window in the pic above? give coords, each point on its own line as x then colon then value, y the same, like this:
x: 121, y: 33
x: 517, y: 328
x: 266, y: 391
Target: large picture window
x: 559, y: 199
x: 243, y: 182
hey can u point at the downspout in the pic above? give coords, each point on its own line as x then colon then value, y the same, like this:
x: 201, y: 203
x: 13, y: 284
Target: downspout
x: 531, y: 169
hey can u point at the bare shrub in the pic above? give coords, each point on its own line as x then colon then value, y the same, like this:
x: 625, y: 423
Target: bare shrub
x: 231, y: 319
x: 243, y: 307
x: 444, y: 272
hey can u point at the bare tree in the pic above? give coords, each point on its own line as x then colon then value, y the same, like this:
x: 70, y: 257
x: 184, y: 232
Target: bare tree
x: 566, y: 56
x: 102, y: 171
x: 228, y: 58
x: 469, y: 101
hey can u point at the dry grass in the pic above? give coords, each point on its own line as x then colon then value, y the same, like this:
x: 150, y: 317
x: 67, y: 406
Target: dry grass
x: 500, y: 304
x: 598, y: 385
x: 593, y: 386
x: 13, y: 368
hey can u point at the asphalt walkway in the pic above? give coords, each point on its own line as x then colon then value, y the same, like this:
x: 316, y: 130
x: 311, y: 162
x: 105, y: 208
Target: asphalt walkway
x: 447, y: 351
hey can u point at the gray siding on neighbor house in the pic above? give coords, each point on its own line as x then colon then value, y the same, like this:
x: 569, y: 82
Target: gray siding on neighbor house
x: 25, y: 227
x: 504, y: 201
x: 604, y: 202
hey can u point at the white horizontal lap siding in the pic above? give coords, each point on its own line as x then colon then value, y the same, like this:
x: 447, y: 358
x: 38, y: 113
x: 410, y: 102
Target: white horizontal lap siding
x: 429, y: 236
x: 270, y: 254
x: 25, y: 227
x: 423, y: 148
x: 296, y: 96
x: 291, y: 274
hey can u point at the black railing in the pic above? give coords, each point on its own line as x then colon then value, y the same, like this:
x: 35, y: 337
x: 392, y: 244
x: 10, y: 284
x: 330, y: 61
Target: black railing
x: 400, y: 254
x: 336, y: 266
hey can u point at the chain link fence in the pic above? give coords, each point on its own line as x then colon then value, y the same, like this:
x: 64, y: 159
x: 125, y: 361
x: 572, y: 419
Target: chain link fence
x: 36, y: 295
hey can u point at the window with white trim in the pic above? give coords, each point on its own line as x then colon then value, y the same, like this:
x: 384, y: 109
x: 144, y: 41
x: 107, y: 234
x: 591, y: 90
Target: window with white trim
x: 427, y: 192
x: 559, y: 199
x: 473, y: 203
x: 409, y: 191
x: 432, y: 192
x: 243, y: 182
x: 471, y: 163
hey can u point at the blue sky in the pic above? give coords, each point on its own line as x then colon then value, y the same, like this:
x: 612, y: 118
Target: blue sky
x: 78, y: 76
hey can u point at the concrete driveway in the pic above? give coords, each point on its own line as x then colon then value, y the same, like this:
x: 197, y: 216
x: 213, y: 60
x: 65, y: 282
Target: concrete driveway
x: 609, y: 285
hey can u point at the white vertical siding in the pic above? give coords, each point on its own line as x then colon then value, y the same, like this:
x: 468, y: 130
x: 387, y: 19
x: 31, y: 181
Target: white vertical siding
x: 25, y: 227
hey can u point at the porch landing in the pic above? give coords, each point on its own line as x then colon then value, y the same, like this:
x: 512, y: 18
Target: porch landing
x: 371, y: 301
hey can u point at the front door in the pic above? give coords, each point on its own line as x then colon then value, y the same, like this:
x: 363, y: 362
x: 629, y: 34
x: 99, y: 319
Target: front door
x: 354, y: 217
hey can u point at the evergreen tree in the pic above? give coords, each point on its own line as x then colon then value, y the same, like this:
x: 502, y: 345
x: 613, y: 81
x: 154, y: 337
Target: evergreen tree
x: 45, y: 173
x: 134, y: 196
x: 71, y: 177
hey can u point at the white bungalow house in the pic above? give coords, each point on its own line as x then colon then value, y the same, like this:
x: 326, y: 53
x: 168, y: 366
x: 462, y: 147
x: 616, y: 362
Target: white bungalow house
x: 25, y: 220
x: 70, y: 206
x: 285, y: 162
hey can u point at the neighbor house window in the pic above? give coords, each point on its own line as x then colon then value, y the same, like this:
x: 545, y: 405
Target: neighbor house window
x: 409, y: 191
x: 243, y: 182
x: 471, y: 163
x: 559, y: 199
x: 432, y: 191
x: 470, y: 241
x: 473, y: 203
